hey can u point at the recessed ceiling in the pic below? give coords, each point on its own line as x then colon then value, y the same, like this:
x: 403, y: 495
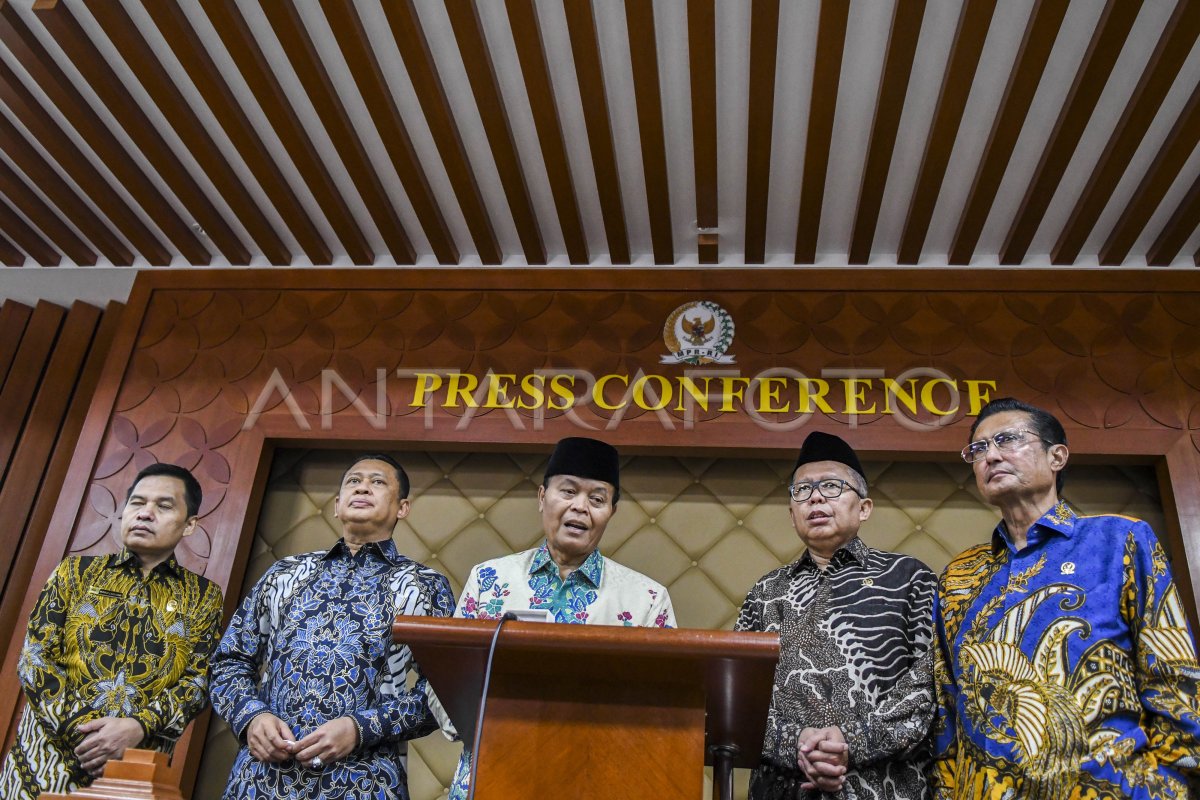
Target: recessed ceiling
x: 650, y: 132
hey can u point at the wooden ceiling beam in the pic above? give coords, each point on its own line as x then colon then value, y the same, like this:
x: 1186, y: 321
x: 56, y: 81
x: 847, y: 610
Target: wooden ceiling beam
x: 183, y: 119
x: 531, y: 53
x: 39, y: 172
x: 481, y: 73
x: 239, y: 42
x: 702, y: 63
x: 589, y: 73
x: 1045, y: 21
x: 422, y: 71
x: 45, y: 129
x: 302, y: 54
x: 893, y: 87
x: 647, y: 91
x: 57, y: 18
x: 35, y: 209
x: 1179, y: 227
x: 372, y: 84
x: 1173, y: 46
x: 1108, y: 40
x: 10, y: 256
x: 1167, y: 164
x: 973, y: 22
x: 760, y: 120
x: 27, y: 238
x: 177, y: 30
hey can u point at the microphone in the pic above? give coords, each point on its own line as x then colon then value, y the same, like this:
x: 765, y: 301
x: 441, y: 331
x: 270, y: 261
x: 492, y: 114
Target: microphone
x: 507, y: 616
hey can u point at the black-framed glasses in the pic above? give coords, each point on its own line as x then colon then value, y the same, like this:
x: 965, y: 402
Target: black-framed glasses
x: 1004, y: 440
x: 830, y: 489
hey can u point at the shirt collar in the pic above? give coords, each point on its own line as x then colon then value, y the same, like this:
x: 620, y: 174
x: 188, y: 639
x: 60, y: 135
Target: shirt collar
x: 854, y: 550
x: 125, y: 557
x: 592, y: 567
x: 385, y: 549
x: 1060, y: 519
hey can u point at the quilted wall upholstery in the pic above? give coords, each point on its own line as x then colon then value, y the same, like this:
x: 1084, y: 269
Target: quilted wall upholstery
x: 706, y: 528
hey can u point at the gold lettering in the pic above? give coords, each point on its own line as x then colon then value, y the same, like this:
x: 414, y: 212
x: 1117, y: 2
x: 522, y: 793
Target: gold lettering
x: 598, y: 392
x: 664, y: 396
x: 532, y: 385
x: 731, y: 391
x: 462, y: 384
x: 768, y: 395
x: 808, y: 396
x: 427, y: 384
x: 856, y: 393
x: 927, y: 396
x: 567, y: 394
x: 497, y: 393
x: 893, y: 391
x: 977, y: 396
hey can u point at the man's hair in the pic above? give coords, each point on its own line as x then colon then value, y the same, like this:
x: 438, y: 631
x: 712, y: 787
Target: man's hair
x: 401, y: 475
x: 1044, y: 424
x: 192, y: 495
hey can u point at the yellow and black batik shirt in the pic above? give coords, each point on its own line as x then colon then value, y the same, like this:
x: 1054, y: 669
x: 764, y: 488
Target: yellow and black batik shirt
x: 105, y: 640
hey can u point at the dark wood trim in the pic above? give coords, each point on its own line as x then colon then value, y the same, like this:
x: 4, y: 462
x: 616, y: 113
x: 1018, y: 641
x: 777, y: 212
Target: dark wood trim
x: 14, y: 317
x: 702, y: 63
x: 422, y: 70
x: 285, y: 21
x: 44, y: 217
x: 1045, y: 21
x: 1108, y: 40
x: 593, y: 95
x: 10, y: 256
x: 244, y: 50
x: 647, y: 92
x: 893, y: 87
x: 481, y: 72
x: 974, y: 20
x: 760, y: 121
x: 26, y: 238
x: 531, y: 53
x: 58, y: 20
x: 1167, y: 164
x: 16, y: 397
x: 1173, y: 47
x: 1179, y: 227
x: 174, y: 26
x: 372, y: 84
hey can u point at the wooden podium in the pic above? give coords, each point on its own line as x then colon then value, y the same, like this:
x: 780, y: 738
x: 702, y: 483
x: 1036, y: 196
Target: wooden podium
x: 139, y: 775
x: 594, y: 711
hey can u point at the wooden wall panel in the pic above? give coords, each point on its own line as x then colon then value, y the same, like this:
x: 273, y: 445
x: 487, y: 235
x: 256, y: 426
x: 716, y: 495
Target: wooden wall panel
x: 197, y: 351
x: 14, y: 317
x: 27, y: 367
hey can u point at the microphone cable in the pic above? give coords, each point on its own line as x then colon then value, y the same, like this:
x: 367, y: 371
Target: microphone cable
x: 487, y: 679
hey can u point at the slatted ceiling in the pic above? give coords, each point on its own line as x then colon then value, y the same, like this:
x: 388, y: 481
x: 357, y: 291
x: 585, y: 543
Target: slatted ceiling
x: 10, y: 256
x: 974, y: 20
x: 1177, y: 229
x: 137, y: 125
x: 26, y: 237
x: 897, y: 67
x: 174, y: 26
x: 702, y: 59
x: 1167, y: 165
x: 585, y: 50
x: 33, y: 207
x: 485, y: 89
x: 588, y: 132
x: 254, y: 69
x: 1112, y: 32
x: 1176, y: 42
x: 1040, y: 32
x: 643, y: 52
x: 527, y: 38
x: 38, y: 173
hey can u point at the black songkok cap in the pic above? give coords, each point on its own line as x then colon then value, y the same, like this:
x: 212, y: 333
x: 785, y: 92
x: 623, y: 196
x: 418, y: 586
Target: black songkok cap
x: 585, y: 458
x: 827, y: 447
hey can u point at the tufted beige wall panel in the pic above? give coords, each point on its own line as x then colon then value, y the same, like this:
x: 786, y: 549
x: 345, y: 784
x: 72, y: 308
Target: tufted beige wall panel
x: 707, y: 528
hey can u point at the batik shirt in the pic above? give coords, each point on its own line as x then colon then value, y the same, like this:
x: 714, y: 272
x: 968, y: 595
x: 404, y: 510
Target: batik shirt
x: 599, y: 592
x: 855, y: 653
x: 313, y: 642
x: 1065, y: 669
x: 104, y: 640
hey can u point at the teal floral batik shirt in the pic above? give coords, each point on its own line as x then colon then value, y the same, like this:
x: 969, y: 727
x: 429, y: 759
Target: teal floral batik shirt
x: 599, y: 592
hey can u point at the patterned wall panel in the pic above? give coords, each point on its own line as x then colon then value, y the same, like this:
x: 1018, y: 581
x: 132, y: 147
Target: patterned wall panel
x: 707, y: 528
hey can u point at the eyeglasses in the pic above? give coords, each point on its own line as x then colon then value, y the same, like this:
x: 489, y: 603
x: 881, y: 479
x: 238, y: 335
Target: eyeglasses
x: 1004, y: 440
x: 830, y: 489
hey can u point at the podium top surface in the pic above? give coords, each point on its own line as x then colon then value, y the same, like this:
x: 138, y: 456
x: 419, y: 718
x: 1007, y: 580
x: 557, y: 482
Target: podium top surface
x: 732, y: 673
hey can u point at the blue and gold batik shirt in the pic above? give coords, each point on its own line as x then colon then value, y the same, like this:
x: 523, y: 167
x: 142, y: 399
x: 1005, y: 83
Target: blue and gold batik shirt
x: 313, y: 642
x: 106, y: 640
x: 1065, y: 669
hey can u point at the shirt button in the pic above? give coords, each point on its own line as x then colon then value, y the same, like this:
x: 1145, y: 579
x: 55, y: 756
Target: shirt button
x: 868, y: 582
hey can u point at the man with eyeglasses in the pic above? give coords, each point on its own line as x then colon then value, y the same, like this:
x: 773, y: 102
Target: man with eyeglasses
x: 854, y: 695
x: 1065, y: 666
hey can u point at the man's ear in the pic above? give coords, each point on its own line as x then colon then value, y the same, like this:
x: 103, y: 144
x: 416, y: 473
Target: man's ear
x: 864, y: 509
x: 1058, y: 454
x: 405, y: 507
